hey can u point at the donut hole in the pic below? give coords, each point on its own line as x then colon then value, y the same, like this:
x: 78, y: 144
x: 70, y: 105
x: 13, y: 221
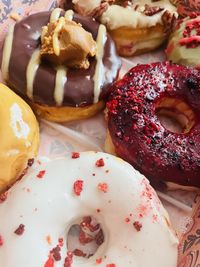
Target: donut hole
x: 84, y: 237
x: 175, y: 115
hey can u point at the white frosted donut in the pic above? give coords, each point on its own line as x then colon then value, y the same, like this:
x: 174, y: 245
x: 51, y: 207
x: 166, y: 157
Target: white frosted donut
x: 40, y: 209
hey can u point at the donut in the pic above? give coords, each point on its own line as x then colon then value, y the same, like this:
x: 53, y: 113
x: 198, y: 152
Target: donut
x: 54, y: 83
x: 19, y: 137
x: 184, y: 43
x: 138, y: 109
x: 187, y: 7
x: 136, y: 26
x: 42, y: 207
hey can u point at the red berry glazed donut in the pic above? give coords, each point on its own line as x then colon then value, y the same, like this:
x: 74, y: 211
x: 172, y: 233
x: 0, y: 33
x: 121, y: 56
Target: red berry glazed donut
x: 138, y: 108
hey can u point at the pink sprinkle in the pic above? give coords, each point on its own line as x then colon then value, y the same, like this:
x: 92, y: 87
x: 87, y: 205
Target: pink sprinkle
x: 1, y: 241
x: 75, y: 155
x: 78, y: 187
x: 41, y: 174
x: 103, y: 187
x: 20, y: 229
x: 100, y: 163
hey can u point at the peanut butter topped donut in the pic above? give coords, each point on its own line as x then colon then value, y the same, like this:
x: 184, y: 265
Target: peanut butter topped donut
x: 62, y: 62
x: 138, y: 105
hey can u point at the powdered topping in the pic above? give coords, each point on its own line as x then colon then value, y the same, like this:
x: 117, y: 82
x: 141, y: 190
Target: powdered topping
x: 1, y: 240
x: 75, y: 155
x: 152, y: 10
x: 85, y: 238
x: 191, y: 34
x: 100, y: 162
x: 68, y: 260
x: 99, y: 261
x: 103, y: 187
x: 55, y: 252
x: 188, y: 7
x: 41, y: 174
x: 184, y: 43
x: 78, y: 187
x: 49, y: 262
x: 137, y: 225
x: 60, y: 241
x: 20, y: 229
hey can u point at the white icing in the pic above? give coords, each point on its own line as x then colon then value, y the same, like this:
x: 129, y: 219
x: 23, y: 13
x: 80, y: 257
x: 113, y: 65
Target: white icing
x: 19, y: 126
x: 55, y: 14
x: 61, y: 78
x: 48, y: 206
x: 7, y: 49
x: 99, y: 70
x: 69, y: 14
x: 117, y: 16
x: 32, y: 68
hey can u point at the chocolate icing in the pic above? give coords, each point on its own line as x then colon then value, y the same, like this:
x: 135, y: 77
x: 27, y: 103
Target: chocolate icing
x: 79, y: 87
x: 136, y: 131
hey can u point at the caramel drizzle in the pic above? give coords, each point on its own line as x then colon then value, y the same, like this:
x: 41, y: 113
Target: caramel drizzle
x: 32, y: 68
x: 99, y: 69
x: 7, y: 49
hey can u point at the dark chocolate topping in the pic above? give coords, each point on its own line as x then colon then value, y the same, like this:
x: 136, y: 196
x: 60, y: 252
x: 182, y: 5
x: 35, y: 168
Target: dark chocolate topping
x: 79, y: 87
x: 136, y: 131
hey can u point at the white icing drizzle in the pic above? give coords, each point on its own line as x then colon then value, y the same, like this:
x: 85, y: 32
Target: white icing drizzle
x: 55, y: 14
x: 69, y: 14
x: 32, y: 68
x: 7, y: 49
x: 61, y: 78
x: 61, y: 75
x: 99, y: 70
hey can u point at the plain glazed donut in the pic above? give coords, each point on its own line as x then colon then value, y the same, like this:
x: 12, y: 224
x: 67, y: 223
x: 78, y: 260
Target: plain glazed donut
x: 57, y: 92
x: 135, y: 26
x: 19, y: 133
x: 41, y: 208
x: 141, y: 138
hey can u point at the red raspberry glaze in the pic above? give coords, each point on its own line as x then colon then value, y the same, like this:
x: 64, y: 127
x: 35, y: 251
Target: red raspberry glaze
x: 137, y: 133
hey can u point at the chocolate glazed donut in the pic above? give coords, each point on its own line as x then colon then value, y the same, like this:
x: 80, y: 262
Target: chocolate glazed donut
x: 81, y: 87
x: 137, y: 132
